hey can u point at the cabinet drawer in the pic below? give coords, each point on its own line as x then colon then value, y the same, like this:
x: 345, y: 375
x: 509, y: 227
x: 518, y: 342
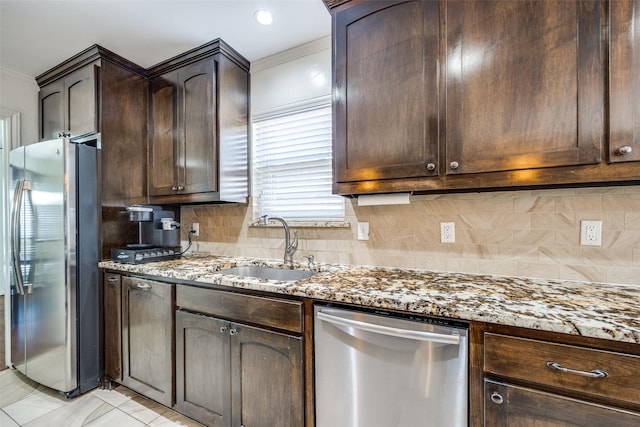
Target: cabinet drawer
x: 270, y: 312
x: 508, y: 405
x: 529, y: 360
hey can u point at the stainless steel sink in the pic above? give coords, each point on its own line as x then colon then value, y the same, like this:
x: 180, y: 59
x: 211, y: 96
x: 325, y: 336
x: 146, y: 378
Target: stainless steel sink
x: 270, y: 273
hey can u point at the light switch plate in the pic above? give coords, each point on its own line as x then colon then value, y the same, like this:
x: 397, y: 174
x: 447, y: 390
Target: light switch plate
x: 363, y: 231
x: 590, y: 233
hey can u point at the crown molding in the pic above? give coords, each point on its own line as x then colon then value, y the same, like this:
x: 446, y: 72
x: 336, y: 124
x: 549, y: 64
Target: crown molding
x: 17, y: 74
x: 294, y: 53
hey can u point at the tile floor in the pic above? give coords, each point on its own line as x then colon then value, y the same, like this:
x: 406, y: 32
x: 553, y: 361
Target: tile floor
x: 25, y: 403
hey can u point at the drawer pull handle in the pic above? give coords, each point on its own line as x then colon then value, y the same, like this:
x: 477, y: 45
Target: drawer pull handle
x: 144, y: 286
x: 496, y: 398
x: 596, y: 373
x: 112, y: 279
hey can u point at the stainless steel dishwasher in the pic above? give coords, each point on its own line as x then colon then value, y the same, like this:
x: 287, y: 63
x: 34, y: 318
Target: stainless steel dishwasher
x: 377, y: 370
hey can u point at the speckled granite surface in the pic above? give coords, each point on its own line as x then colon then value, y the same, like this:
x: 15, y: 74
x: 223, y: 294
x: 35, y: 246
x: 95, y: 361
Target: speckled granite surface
x: 593, y: 310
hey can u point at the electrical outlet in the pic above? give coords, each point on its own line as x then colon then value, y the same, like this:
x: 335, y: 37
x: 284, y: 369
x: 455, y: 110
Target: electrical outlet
x: 591, y: 233
x: 447, y: 232
x: 363, y: 231
x: 195, y: 227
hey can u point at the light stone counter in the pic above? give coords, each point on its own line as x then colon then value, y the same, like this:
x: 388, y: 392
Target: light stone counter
x: 589, y: 309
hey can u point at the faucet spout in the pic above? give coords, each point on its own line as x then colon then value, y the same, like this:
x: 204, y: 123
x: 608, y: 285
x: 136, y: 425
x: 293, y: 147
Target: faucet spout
x: 289, y: 246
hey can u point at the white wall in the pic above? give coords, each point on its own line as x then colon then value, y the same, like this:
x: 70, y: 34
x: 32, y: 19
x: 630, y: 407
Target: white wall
x: 19, y: 93
x: 4, y: 281
x: 296, y: 75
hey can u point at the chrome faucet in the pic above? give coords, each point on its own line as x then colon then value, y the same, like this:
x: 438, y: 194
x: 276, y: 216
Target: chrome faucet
x: 289, y: 246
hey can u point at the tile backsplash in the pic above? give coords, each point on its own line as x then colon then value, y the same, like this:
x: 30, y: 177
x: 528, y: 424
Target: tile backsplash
x: 530, y: 233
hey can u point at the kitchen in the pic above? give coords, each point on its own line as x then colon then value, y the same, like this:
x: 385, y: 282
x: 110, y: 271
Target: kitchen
x: 532, y: 233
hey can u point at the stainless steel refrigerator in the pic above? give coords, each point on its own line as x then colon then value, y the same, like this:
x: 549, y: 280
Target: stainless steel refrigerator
x: 55, y: 325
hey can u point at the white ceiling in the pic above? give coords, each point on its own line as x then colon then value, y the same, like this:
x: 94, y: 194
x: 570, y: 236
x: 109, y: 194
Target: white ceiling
x: 36, y: 35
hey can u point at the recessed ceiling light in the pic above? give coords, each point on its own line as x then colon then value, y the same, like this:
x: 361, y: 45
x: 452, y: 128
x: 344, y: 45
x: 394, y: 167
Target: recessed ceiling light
x: 264, y: 17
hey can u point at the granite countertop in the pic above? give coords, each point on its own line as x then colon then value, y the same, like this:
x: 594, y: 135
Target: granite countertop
x: 594, y: 310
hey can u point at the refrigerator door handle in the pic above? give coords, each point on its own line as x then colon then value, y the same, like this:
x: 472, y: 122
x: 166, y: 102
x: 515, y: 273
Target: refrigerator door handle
x: 15, y: 235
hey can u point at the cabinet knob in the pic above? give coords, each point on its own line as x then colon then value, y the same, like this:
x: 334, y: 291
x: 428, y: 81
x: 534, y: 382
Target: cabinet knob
x: 180, y: 188
x: 233, y: 331
x: 174, y: 188
x: 454, y: 165
x: 223, y: 329
x: 625, y: 149
x: 496, y: 398
x: 431, y: 166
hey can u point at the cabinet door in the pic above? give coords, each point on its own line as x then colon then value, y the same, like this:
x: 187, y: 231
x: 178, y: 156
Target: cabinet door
x: 163, y: 132
x: 203, y: 379
x: 51, y: 109
x: 509, y: 405
x: 81, y: 101
x: 70, y: 104
x: 197, y: 127
x: 524, y: 85
x: 147, y: 336
x: 112, y: 326
x: 624, y: 80
x: 386, y: 90
x: 267, y: 378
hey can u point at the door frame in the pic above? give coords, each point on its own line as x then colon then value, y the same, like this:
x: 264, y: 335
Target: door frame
x: 9, y: 139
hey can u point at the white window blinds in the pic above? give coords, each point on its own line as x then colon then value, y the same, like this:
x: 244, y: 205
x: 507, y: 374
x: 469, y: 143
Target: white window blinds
x: 292, y: 175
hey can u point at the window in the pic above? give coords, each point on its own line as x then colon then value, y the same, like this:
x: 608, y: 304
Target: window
x: 292, y: 165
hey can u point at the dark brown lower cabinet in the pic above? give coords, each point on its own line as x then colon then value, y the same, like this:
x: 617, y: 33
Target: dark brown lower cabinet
x: 147, y: 338
x: 267, y: 378
x: 112, y: 305
x: 231, y: 374
x: 203, y: 381
x: 508, y: 405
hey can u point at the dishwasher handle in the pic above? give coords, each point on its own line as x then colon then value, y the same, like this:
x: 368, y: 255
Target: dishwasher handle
x: 388, y: 330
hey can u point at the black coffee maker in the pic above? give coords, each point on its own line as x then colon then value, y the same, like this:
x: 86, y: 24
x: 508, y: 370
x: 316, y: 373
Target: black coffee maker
x: 158, y: 236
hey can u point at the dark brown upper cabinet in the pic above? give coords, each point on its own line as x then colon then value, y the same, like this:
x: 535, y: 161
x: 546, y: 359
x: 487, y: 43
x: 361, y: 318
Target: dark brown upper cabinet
x: 624, y: 84
x: 198, y: 127
x: 433, y: 96
x: 524, y: 85
x: 183, y: 116
x: 386, y: 90
x: 163, y: 134
x: 98, y: 94
x: 69, y: 106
